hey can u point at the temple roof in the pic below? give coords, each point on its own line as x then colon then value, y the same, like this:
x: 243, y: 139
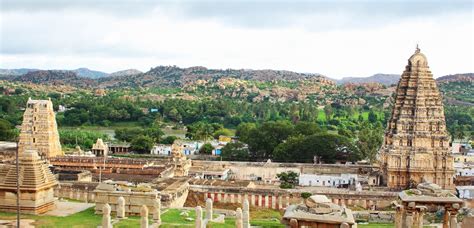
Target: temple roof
x: 34, y: 173
x: 418, y: 58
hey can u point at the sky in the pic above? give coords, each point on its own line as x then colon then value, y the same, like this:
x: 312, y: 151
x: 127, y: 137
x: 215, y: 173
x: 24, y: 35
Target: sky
x: 333, y: 38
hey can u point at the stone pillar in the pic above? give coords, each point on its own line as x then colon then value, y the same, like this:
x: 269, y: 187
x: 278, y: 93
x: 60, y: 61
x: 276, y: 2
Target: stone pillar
x: 225, y: 197
x: 219, y: 197
x: 238, y: 218
x: 399, y: 217
x: 266, y: 201
x: 106, y: 222
x: 344, y: 225
x: 409, y: 220
x: 252, y: 200
x: 85, y: 195
x: 245, y: 219
x: 239, y: 198
x: 453, y: 221
x: 120, y: 207
x: 273, y: 202
x: 446, y: 218
x: 288, y: 202
x: 144, y: 217
x: 280, y: 202
x: 294, y: 223
x: 246, y: 214
x: 209, y: 210
x: 78, y: 194
x: 260, y: 200
x: 157, y: 210
x: 199, y: 217
x: 232, y: 198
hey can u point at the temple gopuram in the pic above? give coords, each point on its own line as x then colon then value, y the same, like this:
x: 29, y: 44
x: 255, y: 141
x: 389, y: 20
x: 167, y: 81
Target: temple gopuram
x: 416, y: 144
x: 39, y: 130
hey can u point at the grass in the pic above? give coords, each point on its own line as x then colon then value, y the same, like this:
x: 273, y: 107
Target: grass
x: 82, y: 219
x: 171, y: 218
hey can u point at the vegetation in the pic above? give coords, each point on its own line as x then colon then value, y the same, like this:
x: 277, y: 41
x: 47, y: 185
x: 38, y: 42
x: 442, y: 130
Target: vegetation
x: 85, y: 139
x: 288, y: 179
x: 352, y: 117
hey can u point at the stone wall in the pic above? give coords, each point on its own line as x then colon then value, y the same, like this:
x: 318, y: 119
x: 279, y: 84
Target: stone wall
x: 133, y: 200
x: 281, y: 198
x: 267, y: 171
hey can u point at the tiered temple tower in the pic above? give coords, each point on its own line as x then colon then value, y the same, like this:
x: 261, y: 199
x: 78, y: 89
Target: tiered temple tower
x: 416, y: 144
x: 39, y: 130
x: 36, y: 185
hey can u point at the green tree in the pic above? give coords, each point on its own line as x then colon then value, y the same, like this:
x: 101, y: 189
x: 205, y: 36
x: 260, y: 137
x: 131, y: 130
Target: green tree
x: 142, y: 144
x: 372, y: 117
x: 235, y: 151
x: 243, y: 131
x: 206, y: 149
x: 263, y: 140
x: 7, y: 131
x: 307, y: 128
x: 223, y: 132
x: 288, y: 179
x: 370, y: 138
x: 168, y: 140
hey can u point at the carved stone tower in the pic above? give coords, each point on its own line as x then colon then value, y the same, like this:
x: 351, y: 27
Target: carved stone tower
x: 39, y: 130
x: 416, y: 144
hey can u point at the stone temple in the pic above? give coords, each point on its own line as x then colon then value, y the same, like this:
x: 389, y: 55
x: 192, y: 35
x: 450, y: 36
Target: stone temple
x: 39, y: 129
x: 36, y: 185
x: 416, y: 144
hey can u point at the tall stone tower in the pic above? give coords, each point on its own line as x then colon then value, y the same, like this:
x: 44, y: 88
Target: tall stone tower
x: 416, y: 144
x: 39, y: 130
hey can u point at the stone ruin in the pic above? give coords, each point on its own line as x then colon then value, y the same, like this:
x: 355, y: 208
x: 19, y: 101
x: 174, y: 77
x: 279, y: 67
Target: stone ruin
x: 413, y: 204
x: 318, y: 210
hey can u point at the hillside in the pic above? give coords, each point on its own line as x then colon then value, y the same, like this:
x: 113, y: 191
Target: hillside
x: 15, y: 72
x: 468, y: 77
x: 87, y: 73
x: 175, y: 76
x: 385, y: 79
x: 125, y: 73
x: 54, y: 77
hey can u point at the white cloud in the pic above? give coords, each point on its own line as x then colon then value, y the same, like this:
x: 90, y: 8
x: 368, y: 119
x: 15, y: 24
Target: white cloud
x: 68, y: 38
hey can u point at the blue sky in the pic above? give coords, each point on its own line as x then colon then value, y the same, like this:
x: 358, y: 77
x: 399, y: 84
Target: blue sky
x: 334, y: 38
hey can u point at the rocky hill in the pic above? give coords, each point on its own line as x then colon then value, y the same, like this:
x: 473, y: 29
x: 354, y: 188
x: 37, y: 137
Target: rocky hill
x: 175, y: 76
x: 15, y: 72
x: 385, y: 79
x: 125, y: 73
x: 88, y: 73
x: 55, y: 77
x: 469, y: 77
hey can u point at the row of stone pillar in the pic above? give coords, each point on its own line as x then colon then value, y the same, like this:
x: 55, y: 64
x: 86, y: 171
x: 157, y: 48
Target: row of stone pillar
x: 268, y: 201
x: 156, y: 212
x: 281, y: 201
x: 242, y: 217
x: 412, y: 216
x: 69, y: 193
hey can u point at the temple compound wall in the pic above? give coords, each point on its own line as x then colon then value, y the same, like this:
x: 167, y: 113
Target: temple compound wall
x: 281, y: 198
x: 266, y: 172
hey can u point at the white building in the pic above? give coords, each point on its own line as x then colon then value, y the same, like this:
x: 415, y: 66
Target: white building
x: 189, y: 148
x: 465, y: 192
x: 327, y: 180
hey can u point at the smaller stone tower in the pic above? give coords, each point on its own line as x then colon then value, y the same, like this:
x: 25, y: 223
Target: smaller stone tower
x: 39, y: 130
x: 36, y: 185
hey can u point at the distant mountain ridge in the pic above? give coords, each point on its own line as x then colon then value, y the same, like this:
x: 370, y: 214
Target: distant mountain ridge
x: 176, y: 76
x: 54, y: 77
x: 468, y: 77
x: 173, y: 76
x: 385, y: 79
